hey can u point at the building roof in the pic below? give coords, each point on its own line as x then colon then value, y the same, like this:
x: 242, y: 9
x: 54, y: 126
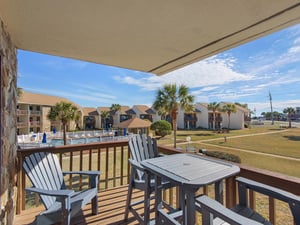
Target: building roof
x: 152, y: 36
x: 135, y: 123
x: 124, y: 109
x: 41, y: 99
x: 144, y: 109
x: 89, y: 111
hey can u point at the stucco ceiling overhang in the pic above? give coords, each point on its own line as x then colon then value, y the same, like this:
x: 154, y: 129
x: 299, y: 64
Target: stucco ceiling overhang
x: 152, y: 36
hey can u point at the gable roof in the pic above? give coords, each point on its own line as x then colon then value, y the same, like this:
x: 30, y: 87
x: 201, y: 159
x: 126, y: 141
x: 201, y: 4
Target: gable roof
x: 135, y: 123
x: 89, y: 111
x: 41, y: 99
x: 144, y: 109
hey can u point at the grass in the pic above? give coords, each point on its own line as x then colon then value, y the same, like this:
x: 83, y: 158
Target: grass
x: 250, y: 148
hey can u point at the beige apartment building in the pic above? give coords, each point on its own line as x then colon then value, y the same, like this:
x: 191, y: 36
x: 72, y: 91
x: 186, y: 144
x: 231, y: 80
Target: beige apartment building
x: 32, y: 110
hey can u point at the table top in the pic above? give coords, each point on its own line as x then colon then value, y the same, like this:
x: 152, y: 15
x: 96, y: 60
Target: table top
x: 190, y: 170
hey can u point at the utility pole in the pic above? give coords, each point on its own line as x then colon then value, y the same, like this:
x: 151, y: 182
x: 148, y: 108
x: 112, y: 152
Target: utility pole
x: 272, y: 117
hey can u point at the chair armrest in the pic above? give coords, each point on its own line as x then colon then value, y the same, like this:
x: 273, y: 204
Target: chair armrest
x: 57, y: 193
x: 93, y: 176
x: 269, y: 190
x: 209, y: 205
x: 136, y: 165
x: 89, y: 173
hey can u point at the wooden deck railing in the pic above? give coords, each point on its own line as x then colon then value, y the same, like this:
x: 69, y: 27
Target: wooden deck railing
x: 111, y: 158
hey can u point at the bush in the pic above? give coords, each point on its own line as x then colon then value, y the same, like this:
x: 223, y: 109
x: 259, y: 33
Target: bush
x: 223, y: 155
x: 161, y: 127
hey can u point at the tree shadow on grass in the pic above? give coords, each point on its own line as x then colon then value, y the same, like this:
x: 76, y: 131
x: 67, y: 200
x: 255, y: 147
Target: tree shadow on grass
x: 276, y: 129
x: 292, y: 138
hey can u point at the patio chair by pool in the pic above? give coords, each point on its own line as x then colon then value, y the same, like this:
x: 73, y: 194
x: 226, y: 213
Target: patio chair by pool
x: 141, y: 148
x: 44, y: 172
x: 215, y: 213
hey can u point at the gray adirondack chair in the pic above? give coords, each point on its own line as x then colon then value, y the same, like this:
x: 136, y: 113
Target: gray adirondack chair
x: 215, y: 213
x: 141, y: 148
x: 46, y: 176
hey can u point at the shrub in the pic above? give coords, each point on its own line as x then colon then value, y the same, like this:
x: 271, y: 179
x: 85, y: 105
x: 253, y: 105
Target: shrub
x: 223, y: 155
x: 161, y: 127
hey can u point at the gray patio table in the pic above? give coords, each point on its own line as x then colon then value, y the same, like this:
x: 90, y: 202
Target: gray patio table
x: 189, y: 172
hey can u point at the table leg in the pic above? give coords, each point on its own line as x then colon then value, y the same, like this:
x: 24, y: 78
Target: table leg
x: 189, y: 214
x: 158, y: 199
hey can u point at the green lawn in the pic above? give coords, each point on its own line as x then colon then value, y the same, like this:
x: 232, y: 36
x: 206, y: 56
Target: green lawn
x: 285, y: 143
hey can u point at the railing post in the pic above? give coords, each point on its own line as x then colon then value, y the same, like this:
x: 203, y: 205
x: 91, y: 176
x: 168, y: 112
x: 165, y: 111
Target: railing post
x: 231, y: 193
x: 272, y: 210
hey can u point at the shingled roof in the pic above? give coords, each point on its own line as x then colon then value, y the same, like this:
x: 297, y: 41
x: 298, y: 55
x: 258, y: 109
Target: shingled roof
x: 135, y: 123
x: 41, y: 99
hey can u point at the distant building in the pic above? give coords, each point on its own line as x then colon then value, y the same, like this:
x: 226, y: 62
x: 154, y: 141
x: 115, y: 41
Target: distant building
x: 201, y: 117
x: 32, y: 110
x: 91, y: 118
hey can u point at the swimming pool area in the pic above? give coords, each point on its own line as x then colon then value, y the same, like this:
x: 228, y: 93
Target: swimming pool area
x: 34, y: 140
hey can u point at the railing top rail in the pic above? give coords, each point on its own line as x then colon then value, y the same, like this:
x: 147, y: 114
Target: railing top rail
x: 73, y: 148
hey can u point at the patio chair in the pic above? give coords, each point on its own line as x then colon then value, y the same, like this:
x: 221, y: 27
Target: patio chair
x: 141, y: 148
x: 61, y: 204
x: 215, y: 213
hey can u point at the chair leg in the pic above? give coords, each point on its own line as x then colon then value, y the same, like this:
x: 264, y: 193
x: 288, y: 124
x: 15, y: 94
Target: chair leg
x: 129, y: 195
x: 95, y: 205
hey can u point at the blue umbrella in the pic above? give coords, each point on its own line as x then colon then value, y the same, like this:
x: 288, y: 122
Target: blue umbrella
x: 44, y: 138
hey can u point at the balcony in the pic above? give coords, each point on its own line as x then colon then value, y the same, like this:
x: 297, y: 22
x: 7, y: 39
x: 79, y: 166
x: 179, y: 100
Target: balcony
x: 111, y: 159
x: 22, y: 124
x: 35, y: 113
x: 35, y: 123
x: 22, y: 112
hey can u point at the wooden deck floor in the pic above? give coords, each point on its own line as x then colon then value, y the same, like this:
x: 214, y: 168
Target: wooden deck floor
x: 111, y: 210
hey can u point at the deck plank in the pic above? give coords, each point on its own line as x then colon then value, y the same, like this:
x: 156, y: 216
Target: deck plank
x: 111, y: 210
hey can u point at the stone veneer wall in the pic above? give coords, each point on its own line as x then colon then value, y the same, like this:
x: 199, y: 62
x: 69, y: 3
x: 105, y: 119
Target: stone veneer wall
x: 8, y: 101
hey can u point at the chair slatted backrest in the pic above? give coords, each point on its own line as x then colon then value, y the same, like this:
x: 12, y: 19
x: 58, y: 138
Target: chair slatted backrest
x: 141, y: 148
x: 44, y: 172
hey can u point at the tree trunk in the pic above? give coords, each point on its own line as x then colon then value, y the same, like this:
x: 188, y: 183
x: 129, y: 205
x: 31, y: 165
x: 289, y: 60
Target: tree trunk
x: 228, y: 121
x: 65, y: 133
x: 175, y: 129
x: 174, y: 122
x: 290, y: 122
x: 214, y: 121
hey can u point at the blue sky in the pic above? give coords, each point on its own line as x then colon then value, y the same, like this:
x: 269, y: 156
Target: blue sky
x: 245, y: 74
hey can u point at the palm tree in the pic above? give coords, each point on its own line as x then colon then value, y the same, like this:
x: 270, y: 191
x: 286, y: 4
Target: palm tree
x: 104, y: 115
x: 65, y: 112
x: 115, y: 107
x: 229, y: 108
x: 170, y: 99
x: 214, y: 106
x: 290, y: 111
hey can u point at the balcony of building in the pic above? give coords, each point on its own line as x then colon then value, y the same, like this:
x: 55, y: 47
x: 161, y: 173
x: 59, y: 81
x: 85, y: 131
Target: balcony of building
x: 35, y: 123
x: 111, y: 158
x: 22, y: 112
x: 35, y: 113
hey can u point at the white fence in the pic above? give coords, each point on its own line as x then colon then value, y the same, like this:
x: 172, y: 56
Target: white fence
x: 34, y: 140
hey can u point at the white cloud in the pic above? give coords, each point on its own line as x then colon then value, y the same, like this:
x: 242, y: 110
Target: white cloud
x: 209, y: 72
x: 212, y: 71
